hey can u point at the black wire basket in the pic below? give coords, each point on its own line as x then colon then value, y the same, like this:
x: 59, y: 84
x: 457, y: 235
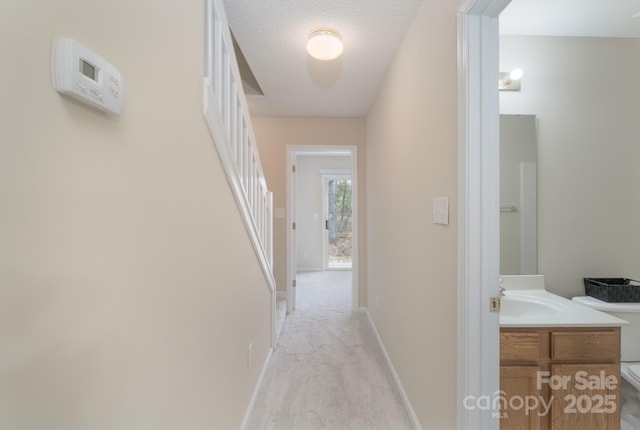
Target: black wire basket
x: 613, y: 290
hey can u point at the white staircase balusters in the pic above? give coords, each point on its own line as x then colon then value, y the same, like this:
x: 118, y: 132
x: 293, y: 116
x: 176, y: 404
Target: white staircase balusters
x: 227, y: 114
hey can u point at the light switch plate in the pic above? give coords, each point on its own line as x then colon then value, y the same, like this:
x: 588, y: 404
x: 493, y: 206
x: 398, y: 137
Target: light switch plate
x: 441, y: 210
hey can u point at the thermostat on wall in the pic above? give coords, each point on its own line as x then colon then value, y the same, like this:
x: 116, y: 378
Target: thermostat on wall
x: 87, y: 77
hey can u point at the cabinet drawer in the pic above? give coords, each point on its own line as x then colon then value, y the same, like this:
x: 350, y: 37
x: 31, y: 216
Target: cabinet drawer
x: 520, y: 346
x: 601, y: 346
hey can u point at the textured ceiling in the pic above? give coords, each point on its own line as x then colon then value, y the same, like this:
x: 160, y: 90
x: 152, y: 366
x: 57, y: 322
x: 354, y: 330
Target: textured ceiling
x: 592, y: 18
x: 272, y: 34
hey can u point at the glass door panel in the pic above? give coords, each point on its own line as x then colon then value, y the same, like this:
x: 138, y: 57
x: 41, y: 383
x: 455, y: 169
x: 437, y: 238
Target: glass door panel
x: 338, y: 222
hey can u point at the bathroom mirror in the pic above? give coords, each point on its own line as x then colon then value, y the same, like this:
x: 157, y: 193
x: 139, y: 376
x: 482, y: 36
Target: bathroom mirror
x: 518, y: 195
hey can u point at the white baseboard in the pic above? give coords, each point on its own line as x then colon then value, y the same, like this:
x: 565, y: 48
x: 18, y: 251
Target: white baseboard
x: 396, y: 379
x: 252, y: 402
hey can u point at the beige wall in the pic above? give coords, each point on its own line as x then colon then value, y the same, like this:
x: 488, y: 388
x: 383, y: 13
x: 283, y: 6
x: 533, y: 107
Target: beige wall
x: 273, y: 134
x: 412, y: 158
x: 584, y: 92
x: 130, y: 291
x: 310, y: 209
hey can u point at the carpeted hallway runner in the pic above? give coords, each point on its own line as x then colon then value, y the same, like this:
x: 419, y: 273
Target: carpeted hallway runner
x: 328, y: 371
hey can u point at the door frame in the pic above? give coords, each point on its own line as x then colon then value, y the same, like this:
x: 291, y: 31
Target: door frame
x: 323, y: 150
x: 479, y: 216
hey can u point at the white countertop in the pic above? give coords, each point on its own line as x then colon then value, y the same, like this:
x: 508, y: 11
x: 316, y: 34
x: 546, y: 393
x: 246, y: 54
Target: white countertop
x: 540, y: 308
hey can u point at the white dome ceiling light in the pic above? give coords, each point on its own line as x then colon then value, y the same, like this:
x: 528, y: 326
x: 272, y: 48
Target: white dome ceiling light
x: 325, y: 44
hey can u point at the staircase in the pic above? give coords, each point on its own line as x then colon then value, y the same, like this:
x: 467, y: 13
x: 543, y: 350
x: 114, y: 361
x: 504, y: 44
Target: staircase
x: 227, y: 115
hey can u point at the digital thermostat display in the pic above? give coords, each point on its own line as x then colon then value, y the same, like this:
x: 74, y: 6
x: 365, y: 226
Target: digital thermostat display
x: 85, y: 76
x: 88, y: 70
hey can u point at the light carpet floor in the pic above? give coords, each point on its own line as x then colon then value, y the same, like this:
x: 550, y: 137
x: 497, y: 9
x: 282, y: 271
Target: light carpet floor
x: 328, y: 371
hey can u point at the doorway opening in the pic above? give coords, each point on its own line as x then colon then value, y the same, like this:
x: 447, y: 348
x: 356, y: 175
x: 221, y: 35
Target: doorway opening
x: 322, y: 215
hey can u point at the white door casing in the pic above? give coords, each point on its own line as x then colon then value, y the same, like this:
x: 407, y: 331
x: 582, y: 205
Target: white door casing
x: 479, y: 216
x: 292, y: 252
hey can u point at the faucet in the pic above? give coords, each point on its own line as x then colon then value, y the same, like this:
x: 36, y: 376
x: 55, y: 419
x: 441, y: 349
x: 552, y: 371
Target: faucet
x: 502, y: 290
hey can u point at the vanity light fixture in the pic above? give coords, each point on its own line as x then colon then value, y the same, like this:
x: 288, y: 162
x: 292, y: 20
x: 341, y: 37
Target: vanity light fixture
x: 510, y: 81
x: 325, y: 44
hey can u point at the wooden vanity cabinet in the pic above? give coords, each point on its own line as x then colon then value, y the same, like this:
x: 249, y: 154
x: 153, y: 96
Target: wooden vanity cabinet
x: 574, y: 373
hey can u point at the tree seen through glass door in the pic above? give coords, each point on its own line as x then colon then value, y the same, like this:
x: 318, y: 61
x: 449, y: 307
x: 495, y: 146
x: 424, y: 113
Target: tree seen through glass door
x: 339, y: 223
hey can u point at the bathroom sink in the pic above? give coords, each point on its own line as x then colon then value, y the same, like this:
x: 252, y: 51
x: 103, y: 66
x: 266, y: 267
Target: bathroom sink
x: 526, y: 303
x: 514, y: 306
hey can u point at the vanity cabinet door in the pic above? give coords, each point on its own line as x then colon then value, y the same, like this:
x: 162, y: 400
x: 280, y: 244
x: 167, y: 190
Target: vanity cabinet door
x: 519, y: 383
x: 585, y: 396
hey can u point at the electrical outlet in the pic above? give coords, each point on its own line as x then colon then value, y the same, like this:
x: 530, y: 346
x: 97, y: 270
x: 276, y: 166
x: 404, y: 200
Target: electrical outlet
x: 250, y: 356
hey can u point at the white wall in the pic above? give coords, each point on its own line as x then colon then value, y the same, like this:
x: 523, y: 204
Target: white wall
x: 585, y: 94
x: 310, y: 214
x: 273, y: 134
x: 412, y: 158
x: 129, y: 288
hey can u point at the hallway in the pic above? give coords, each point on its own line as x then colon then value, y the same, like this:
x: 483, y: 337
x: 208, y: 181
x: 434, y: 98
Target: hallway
x: 328, y: 371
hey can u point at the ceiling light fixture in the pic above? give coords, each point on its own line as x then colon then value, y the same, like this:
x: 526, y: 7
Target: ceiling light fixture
x: 510, y: 81
x: 325, y: 44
